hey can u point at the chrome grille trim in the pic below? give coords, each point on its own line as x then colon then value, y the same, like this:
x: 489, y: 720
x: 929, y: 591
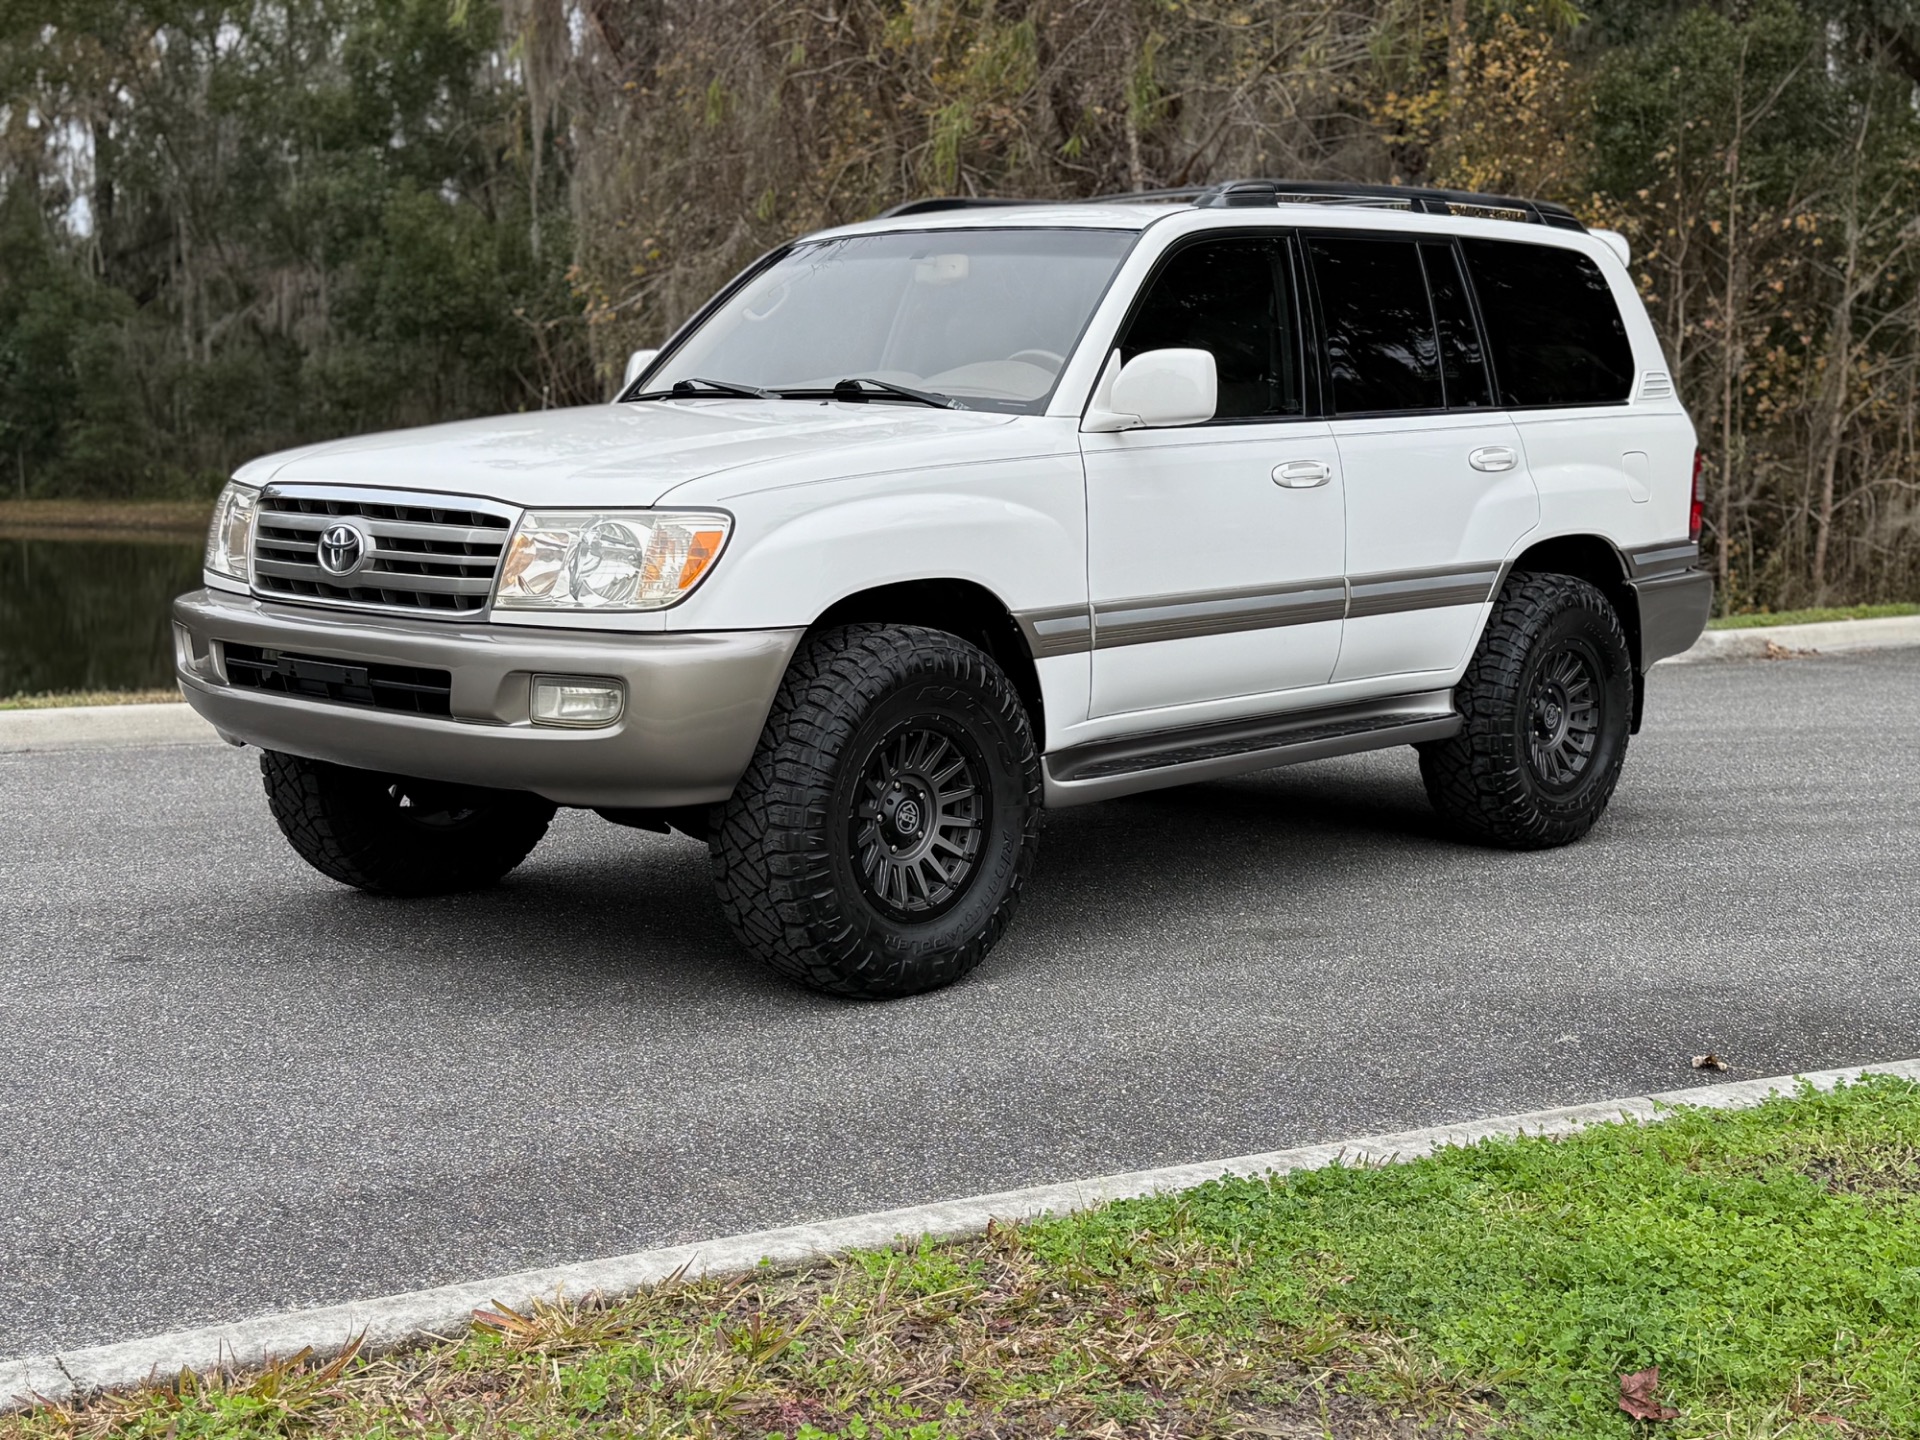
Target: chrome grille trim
x: 432, y: 556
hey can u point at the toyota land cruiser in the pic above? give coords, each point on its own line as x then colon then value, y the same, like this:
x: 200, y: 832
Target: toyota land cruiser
x: 925, y: 525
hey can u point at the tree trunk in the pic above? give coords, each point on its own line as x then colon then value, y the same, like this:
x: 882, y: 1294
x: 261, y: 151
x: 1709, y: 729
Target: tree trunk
x: 1831, y: 420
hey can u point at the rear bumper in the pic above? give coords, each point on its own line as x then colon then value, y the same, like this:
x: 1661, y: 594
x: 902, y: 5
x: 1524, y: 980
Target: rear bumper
x: 1673, y: 613
x: 695, y: 703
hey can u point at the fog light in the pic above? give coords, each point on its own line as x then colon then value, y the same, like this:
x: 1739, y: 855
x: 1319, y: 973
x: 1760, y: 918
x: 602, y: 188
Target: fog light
x: 188, y: 656
x: 574, y: 701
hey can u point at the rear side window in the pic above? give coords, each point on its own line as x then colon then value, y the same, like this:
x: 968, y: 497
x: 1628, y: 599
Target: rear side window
x: 1233, y: 299
x: 1381, y: 347
x: 1552, y: 324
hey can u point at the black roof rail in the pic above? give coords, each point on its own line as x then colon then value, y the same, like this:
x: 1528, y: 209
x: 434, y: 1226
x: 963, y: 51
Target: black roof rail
x: 1236, y: 193
x: 955, y: 202
x: 1419, y: 199
x: 1124, y: 197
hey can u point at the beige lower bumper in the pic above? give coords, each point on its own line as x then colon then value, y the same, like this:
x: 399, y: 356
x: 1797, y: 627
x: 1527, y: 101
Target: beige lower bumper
x: 695, y: 706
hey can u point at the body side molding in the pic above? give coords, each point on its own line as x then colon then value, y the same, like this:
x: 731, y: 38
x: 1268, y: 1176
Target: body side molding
x: 1220, y: 612
x: 1670, y: 557
x: 1075, y: 629
x: 1393, y: 592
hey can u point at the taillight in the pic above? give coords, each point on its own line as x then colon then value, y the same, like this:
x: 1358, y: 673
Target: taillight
x: 1698, y: 510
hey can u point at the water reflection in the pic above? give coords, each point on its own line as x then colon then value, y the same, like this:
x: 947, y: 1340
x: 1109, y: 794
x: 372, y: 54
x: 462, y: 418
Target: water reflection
x: 89, y: 614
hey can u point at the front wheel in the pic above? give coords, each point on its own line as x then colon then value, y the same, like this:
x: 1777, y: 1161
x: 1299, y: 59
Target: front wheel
x: 398, y: 836
x: 1547, y: 700
x: 879, y: 840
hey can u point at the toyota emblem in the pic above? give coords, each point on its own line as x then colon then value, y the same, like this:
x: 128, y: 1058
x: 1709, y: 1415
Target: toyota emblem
x: 343, y: 549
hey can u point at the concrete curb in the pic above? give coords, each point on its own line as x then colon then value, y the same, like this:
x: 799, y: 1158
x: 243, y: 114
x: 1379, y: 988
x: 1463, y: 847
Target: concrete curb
x: 102, y: 727
x: 396, y: 1319
x: 1831, y: 637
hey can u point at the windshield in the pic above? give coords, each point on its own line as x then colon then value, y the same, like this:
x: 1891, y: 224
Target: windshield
x: 987, y: 317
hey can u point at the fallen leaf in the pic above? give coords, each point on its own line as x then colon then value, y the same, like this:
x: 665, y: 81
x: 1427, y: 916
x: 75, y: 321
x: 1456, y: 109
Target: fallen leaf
x: 1777, y: 651
x: 1709, y: 1061
x: 1637, y: 1396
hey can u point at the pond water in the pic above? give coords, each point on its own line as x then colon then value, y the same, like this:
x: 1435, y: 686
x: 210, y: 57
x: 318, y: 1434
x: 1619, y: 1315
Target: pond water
x: 90, y: 614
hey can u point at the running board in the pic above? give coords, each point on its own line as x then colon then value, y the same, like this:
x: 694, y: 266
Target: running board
x: 1104, y: 769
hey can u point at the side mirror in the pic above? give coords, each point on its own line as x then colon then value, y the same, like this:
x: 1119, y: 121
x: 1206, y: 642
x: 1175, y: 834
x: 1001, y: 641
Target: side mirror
x: 1154, y: 389
x: 636, y: 362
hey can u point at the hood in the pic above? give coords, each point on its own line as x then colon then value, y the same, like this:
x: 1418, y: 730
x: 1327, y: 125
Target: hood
x: 609, y: 455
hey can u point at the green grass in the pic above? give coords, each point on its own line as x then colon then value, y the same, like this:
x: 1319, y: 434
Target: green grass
x: 1808, y: 617
x: 172, y: 520
x: 1768, y: 1261
x: 60, y: 699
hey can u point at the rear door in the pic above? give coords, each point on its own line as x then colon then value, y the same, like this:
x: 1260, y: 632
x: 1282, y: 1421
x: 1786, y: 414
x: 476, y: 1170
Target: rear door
x: 1437, y: 484
x: 1214, y: 551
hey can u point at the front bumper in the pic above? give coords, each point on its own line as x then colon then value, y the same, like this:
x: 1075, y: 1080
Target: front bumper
x: 695, y: 703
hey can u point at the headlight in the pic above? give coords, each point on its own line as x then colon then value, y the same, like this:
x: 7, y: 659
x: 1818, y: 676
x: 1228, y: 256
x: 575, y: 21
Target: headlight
x: 607, y: 560
x: 231, y: 532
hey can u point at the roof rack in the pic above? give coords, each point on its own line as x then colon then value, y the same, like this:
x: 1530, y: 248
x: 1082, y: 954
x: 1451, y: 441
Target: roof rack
x: 1419, y: 199
x: 1233, y: 194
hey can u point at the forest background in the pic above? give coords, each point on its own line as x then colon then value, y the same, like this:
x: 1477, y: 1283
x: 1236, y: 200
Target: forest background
x: 230, y: 226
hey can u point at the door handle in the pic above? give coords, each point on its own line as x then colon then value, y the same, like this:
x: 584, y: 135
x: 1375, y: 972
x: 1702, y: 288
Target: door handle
x: 1494, y: 458
x: 1302, y: 474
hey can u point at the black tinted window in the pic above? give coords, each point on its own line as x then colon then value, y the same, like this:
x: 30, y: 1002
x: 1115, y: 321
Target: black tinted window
x: 1382, y: 353
x: 1463, y: 365
x: 1555, y: 331
x: 1230, y: 298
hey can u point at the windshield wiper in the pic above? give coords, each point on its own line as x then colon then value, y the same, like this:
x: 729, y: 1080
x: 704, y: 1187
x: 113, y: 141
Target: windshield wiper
x: 849, y: 389
x: 694, y: 385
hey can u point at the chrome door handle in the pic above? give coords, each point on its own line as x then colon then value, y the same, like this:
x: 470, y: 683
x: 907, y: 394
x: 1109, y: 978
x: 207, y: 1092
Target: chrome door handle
x: 1494, y: 458
x: 1302, y: 474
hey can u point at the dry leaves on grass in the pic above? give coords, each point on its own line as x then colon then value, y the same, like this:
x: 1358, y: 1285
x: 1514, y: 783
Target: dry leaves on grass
x: 1639, y: 1396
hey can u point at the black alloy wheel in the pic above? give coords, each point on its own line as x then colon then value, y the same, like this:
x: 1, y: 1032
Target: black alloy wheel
x: 878, y: 843
x: 1545, y: 704
x: 1563, y: 716
x: 916, y: 833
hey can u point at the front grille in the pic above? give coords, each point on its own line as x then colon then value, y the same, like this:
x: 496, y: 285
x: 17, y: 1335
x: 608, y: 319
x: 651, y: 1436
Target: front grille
x: 406, y: 688
x: 430, y: 554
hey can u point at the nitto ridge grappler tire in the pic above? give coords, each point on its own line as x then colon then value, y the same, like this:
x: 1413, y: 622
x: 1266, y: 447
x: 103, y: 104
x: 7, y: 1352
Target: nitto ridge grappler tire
x: 1547, y: 700
x: 878, y: 842
x: 396, y: 836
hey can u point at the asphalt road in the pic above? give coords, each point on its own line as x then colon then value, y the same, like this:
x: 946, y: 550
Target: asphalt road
x: 228, y: 1086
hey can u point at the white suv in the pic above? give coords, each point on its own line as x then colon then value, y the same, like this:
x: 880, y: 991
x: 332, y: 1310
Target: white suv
x: 924, y: 525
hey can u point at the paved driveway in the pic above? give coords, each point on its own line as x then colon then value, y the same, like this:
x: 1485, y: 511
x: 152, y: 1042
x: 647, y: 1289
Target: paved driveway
x: 228, y: 1086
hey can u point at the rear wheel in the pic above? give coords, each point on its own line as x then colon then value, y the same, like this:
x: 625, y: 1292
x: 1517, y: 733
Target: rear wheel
x: 879, y: 840
x: 1547, y: 700
x: 398, y: 836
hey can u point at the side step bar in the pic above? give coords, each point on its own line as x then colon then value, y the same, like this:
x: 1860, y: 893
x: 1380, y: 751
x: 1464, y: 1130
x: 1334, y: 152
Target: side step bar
x: 1104, y: 769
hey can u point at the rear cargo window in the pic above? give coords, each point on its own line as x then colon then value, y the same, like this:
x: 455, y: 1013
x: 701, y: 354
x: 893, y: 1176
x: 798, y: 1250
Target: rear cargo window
x: 1552, y: 325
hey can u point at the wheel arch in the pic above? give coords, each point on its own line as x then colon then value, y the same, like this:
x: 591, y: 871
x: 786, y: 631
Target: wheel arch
x: 960, y: 607
x: 1598, y: 561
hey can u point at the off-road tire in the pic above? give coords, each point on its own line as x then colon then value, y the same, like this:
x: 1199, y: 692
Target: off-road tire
x: 1504, y: 779
x: 396, y: 836
x: 793, y: 875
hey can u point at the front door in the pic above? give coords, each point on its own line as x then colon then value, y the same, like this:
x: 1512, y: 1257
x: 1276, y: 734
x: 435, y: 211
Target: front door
x: 1437, y: 484
x: 1214, y: 551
